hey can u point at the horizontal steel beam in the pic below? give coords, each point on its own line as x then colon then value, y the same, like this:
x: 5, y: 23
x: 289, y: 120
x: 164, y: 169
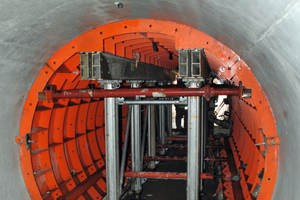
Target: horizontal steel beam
x: 105, y: 66
x: 165, y: 175
x: 52, y: 94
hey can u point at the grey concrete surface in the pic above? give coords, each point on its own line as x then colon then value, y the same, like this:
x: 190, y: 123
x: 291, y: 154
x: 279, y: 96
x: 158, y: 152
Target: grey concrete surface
x: 265, y: 33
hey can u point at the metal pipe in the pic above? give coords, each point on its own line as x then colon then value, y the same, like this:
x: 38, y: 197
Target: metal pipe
x: 144, y: 136
x: 162, y: 128
x: 202, y: 147
x: 123, y: 160
x: 193, y: 149
x: 126, y: 187
x: 151, y: 135
x: 136, y: 143
x: 165, y: 175
x: 112, y: 147
x: 207, y: 91
x: 169, y: 120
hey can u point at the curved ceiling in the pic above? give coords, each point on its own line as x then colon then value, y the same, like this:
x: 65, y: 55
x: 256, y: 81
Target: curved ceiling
x: 265, y: 34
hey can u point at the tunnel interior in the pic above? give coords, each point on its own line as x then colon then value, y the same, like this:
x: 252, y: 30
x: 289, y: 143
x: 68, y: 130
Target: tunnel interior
x: 69, y: 134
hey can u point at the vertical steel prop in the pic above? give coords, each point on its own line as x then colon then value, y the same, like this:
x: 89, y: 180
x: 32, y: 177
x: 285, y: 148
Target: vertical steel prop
x: 136, y: 143
x: 193, y: 148
x: 202, y: 138
x: 162, y: 128
x: 144, y: 136
x: 169, y: 120
x: 112, y: 146
x: 151, y: 135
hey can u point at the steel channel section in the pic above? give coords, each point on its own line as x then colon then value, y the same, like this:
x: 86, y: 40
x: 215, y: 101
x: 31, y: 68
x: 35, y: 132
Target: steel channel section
x: 111, y: 67
x: 193, y: 148
x: 136, y: 144
x: 112, y: 146
x: 162, y: 128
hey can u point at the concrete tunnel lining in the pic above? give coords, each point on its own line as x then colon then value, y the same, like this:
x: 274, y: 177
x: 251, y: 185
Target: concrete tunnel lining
x: 27, y: 58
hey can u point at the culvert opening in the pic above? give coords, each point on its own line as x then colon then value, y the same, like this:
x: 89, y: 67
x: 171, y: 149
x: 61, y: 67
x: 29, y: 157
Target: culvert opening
x: 67, y: 155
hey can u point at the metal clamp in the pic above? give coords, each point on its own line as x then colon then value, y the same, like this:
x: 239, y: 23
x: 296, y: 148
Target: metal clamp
x: 25, y: 140
x: 115, y: 84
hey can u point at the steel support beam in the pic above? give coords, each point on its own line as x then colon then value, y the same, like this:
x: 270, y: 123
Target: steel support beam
x: 106, y: 66
x: 51, y: 94
x: 165, y: 175
x: 112, y: 146
x: 193, y: 149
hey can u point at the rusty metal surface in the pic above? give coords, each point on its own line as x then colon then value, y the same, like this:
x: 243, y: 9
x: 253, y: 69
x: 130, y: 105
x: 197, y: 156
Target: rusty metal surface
x: 266, y: 34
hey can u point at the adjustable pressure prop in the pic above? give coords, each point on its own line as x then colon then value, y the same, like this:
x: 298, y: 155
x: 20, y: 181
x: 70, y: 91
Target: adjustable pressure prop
x: 52, y: 94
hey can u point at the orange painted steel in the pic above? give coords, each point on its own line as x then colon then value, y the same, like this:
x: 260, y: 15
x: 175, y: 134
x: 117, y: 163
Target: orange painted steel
x: 69, y: 145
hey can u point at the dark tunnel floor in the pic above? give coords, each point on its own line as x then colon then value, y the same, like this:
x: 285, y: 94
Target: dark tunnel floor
x: 155, y: 189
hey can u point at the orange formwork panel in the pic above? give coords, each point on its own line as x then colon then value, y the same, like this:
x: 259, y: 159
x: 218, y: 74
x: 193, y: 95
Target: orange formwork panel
x: 69, y: 134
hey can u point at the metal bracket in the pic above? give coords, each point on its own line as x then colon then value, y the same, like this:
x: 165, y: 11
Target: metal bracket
x: 115, y: 83
x: 268, y: 141
x: 193, y: 82
x: 24, y: 140
x: 135, y: 83
x: 263, y: 143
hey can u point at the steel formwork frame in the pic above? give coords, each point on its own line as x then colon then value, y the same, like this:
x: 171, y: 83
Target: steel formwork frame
x: 69, y: 133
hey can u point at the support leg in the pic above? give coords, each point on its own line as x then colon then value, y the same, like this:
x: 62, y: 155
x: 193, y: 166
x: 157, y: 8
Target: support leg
x: 136, y: 144
x: 162, y: 127
x: 193, y: 150
x: 169, y: 120
x: 151, y: 135
x: 112, y: 147
x: 202, y: 138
